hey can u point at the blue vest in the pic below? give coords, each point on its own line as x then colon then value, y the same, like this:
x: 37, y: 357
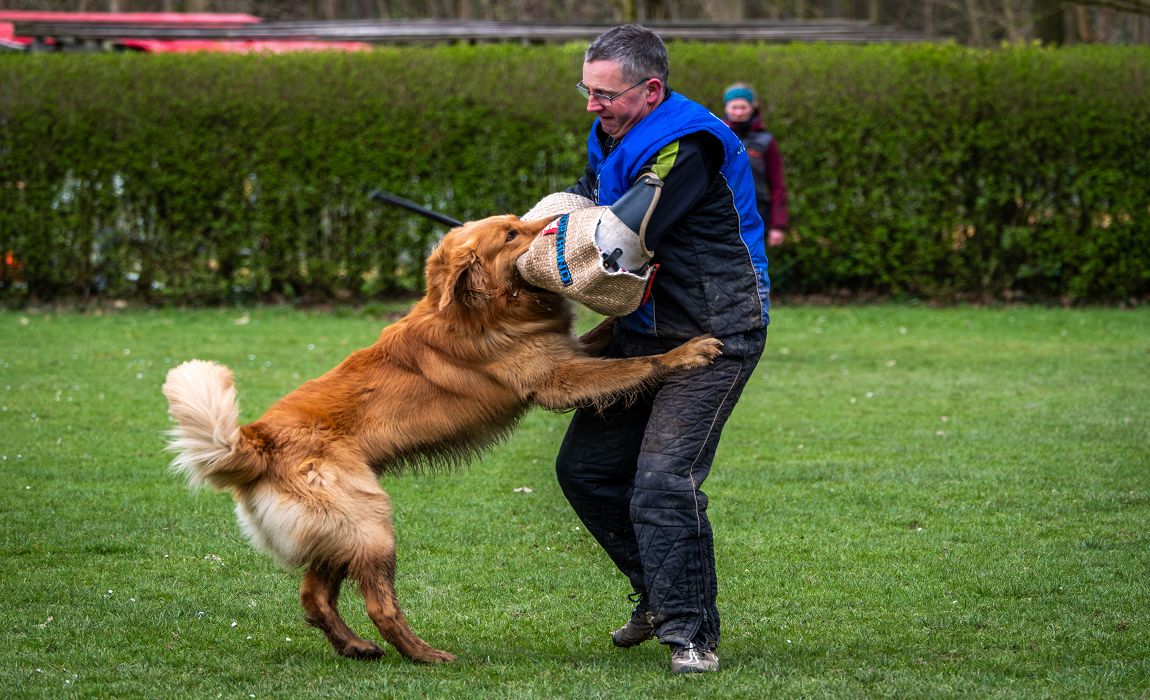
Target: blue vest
x: 675, y: 118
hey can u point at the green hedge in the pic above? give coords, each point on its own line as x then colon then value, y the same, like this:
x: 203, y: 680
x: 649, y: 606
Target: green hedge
x: 933, y: 172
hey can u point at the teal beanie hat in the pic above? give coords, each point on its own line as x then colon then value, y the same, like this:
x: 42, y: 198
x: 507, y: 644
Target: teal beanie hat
x: 737, y: 93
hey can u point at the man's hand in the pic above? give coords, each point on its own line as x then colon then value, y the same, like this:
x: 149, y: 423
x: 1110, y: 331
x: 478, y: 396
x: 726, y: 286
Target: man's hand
x: 775, y: 237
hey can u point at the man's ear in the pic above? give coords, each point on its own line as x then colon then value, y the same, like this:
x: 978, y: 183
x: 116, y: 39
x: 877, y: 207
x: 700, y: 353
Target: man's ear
x: 466, y: 282
x: 655, y: 90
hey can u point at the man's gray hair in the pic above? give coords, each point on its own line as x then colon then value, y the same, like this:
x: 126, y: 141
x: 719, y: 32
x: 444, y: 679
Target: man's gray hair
x: 638, y: 51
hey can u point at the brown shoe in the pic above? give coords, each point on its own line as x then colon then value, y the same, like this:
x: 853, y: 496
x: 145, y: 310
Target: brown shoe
x: 637, y: 630
x: 693, y: 659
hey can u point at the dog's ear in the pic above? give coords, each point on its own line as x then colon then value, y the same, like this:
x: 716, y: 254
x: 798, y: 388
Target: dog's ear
x: 536, y: 226
x: 466, y: 282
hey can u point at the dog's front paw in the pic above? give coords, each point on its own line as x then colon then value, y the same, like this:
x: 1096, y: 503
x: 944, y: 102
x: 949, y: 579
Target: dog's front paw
x: 696, y: 352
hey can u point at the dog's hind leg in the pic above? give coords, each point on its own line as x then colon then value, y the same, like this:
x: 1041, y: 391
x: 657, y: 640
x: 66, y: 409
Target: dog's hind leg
x: 319, y: 594
x: 376, y: 580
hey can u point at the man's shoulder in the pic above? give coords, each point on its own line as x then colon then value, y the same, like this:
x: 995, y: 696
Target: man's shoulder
x: 703, y: 142
x: 702, y: 139
x: 687, y: 148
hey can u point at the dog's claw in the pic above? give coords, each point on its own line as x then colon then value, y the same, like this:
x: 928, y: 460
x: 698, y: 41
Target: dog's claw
x: 364, y: 651
x: 696, y: 352
x: 435, y: 656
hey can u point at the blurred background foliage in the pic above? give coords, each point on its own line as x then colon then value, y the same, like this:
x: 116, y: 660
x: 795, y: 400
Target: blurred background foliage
x: 931, y: 172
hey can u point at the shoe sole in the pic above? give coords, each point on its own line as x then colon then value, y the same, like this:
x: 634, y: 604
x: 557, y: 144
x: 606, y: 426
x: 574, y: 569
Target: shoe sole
x: 693, y: 669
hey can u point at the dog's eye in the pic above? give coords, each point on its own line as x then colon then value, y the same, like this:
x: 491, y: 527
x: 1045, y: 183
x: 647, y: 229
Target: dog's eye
x: 511, y: 234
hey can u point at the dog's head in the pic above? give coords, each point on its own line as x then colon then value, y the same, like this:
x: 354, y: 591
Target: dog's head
x: 474, y: 265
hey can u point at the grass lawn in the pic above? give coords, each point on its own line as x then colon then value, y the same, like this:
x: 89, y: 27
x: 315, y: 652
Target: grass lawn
x: 908, y: 502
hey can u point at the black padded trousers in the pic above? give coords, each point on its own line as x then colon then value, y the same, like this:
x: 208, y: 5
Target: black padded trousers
x: 634, y: 475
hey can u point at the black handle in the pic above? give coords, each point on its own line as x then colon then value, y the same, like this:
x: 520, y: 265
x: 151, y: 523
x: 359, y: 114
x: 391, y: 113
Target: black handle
x: 389, y: 198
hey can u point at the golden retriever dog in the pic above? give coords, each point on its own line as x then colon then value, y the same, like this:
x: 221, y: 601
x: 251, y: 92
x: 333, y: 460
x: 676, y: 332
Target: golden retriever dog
x: 440, y: 385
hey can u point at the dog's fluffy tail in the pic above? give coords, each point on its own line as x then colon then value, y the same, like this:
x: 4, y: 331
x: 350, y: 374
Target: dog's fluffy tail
x: 206, y: 438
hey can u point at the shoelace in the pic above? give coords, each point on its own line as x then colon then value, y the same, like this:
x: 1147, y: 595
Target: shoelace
x: 637, y: 598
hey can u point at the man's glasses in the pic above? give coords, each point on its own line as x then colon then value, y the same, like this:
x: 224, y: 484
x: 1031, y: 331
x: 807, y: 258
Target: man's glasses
x: 600, y: 97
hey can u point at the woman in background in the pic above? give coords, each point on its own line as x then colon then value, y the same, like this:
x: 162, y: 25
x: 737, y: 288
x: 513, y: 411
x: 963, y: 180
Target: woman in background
x: 741, y: 113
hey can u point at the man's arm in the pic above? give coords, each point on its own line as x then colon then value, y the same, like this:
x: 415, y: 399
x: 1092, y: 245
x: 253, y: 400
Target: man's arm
x: 687, y: 168
x: 777, y: 184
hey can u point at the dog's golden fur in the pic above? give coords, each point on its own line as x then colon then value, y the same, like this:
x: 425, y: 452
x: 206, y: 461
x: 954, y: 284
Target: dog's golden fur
x: 444, y: 382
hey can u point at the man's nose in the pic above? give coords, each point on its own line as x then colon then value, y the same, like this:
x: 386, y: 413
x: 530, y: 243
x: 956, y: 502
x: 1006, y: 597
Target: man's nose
x: 593, y: 105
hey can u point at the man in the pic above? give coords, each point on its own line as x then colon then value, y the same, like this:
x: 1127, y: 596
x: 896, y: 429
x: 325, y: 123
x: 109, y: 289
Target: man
x: 633, y: 471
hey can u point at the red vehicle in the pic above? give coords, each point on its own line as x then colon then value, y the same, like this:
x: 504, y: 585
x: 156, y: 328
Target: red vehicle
x: 10, y: 40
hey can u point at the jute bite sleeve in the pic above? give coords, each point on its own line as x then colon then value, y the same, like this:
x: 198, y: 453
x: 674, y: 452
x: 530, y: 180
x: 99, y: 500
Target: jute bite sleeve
x: 566, y: 258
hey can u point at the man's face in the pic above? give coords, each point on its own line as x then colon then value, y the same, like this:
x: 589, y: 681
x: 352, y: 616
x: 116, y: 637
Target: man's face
x: 617, y: 116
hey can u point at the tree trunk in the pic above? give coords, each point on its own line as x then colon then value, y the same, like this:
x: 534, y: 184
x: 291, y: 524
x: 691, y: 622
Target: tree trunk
x: 1010, y: 20
x: 1081, y: 26
x: 1048, y: 24
x: 627, y: 10
x: 727, y: 10
x: 975, y: 20
x: 1106, y: 24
